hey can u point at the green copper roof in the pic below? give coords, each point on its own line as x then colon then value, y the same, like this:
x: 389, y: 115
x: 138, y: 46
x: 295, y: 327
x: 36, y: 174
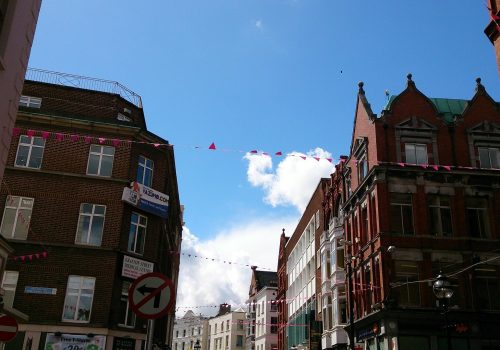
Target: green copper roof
x: 447, y: 107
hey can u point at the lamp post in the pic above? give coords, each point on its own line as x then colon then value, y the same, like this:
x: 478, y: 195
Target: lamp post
x: 443, y: 290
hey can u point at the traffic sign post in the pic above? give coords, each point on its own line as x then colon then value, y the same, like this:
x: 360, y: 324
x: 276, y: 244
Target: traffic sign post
x: 8, y: 328
x: 151, y: 295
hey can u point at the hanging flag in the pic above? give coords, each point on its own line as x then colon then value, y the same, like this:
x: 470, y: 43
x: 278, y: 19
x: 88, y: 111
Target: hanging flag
x: 59, y: 137
x: 212, y: 146
x: 253, y: 151
x: 45, y: 135
x: 74, y: 138
x: 279, y: 153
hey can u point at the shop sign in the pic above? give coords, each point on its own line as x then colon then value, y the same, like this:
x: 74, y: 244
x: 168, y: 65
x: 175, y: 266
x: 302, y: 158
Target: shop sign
x: 75, y: 342
x: 368, y: 332
x: 134, y: 268
x: 40, y: 290
x: 123, y: 344
x: 146, y: 199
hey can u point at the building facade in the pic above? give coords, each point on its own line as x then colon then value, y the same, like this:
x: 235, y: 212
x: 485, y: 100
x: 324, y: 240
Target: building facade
x: 262, y: 312
x: 419, y: 196
x: 89, y: 202
x: 189, y: 330
x: 281, y: 294
x: 492, y: 30
x: 17, y: 28
x: 226, y: 331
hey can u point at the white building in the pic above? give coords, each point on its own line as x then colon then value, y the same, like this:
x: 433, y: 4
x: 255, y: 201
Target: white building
x: 189, y: 329
x: 262, y: 313
x: 226, y: 330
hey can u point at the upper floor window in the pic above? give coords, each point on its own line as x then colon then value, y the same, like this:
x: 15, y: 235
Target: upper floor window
x: 137, y: 234
x: 100, y: 160
x: 416, y: 153
x: 90, y: 224
x: 477, y: 217
x: 362, y: 168
x: 240, y: 325
x: 239, y: 341
x: 145, y: 171
x: 407, y: 293
x: 401, y: 213
x: 30, y: 152
x: 274, y: 306
x: 78, y: 301
x: 127, y: 316
x: 16, y: 217
x: 9, y: 285
x: 274, y: 325
x: 30, y: 101
x: 440, y: 215
x: 489, y: 158
x: 488, y: 290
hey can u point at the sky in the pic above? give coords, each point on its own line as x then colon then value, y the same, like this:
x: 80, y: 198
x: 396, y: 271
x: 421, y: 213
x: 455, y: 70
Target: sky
x: 265, y: 75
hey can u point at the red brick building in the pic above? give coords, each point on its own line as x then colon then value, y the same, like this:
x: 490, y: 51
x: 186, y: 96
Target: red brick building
x: 69, y: 211
x: 492, y: 30
x: 419, y: 196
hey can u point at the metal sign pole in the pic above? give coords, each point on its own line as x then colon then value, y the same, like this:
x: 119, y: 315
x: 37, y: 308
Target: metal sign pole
x: 149, y: 336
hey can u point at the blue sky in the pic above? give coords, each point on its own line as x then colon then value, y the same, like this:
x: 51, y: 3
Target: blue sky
x: 272, y: 75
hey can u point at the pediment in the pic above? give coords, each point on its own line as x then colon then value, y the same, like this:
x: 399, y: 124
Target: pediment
x: 415, y: 123
x: 485, y: 127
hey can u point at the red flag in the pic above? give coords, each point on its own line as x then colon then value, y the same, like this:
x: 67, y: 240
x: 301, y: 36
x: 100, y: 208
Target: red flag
x: 156, y: 145
x: 16, y: 132
x: 317, y: 158
x: 329, y: 159
x: 59, y: 137
x: 303, y: 157
x: 279, y: 153
x: 435, y: 167
x: 423, y: 166
x: 44, y: 254
x: 212, y: 146
x: 74, y: 138
x: 102, y: 140
x: 401, y: 164
x: 45, y: 135
x: 88, y: 139
x: 447, y: 167
x: 116, y: 142
x: 253, y: 151
x: 30, y: 133
x: 22, y: 257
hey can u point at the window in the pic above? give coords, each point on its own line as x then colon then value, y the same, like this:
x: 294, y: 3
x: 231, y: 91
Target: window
x: 90, y: 224
x: 440, y: 216
x: 137, y: 233
x: 222, y: 326
x: 30, y: 101
x: 416, y: 153
x: 274, y: 325
x: 489, y: 158
x: 127, y: 315
x: 342, y: 316
x: 239, y: 341
x: 145, y: 171
x: 362, y: 168
x: 486, y: 283
x: 227, y: 326
x: 100, y: 160
x: 9, y: 284
x: 16, y: 217
x: 401, y: 213
x: 30, y: 152
x: 477, y: 217
x: 78, y: 301
x: 407, y: 293
x: 274, y: 306
x: 227, y: 341
x: 240, y: 325
x: 177, y: 334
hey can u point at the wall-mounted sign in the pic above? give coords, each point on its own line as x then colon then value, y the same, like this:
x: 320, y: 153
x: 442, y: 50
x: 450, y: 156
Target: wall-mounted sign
x: 147, y: 199
x: 133, y: 267
x: 75, y: 342
x: 123, y: 344
x: 368, y: 332
x: 40, y: 290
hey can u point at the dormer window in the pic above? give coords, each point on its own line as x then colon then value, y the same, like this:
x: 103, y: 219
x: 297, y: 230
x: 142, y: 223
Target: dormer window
x: 416, y: 153
x: 30, y: 101
x: 489, y: 158
x: 123, y: 118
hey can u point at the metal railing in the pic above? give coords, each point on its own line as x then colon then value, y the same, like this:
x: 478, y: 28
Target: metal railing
x: 78, y: 81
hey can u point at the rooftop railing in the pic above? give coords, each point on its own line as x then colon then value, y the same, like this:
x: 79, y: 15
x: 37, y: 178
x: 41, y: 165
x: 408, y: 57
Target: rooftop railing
x: 78, y: 81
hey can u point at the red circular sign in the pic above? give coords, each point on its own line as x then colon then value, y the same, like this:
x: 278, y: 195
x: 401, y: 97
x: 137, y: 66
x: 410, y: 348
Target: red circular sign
x: 151, y: 296
x: 8, y: 328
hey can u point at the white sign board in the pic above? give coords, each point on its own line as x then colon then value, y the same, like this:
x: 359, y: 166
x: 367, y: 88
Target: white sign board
x: 134, y: 268
x: 74, y: 342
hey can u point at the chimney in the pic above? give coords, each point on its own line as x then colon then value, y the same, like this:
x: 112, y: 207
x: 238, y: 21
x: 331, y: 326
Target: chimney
x: 224, y: 309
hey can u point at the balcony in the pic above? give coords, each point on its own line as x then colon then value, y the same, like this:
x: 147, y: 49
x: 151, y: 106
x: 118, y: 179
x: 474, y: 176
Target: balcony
x: 81, y: 82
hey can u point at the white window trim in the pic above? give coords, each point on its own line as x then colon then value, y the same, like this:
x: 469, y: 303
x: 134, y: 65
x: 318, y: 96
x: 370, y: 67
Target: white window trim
x: 30, y: 145
x: 126, y: 312
x: 19, y: 207
x: 9, y: 288
x: 30, y: 101
x: 92, y: 215
x: 137, y: 226
x: 101, y: 156
x: 78, y: 300
x: 145, y: 167
x: 489, y: 149
x: 415, y: 153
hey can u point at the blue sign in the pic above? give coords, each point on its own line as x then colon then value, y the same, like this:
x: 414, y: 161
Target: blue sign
x: 40, y: 290
x: 146, y: 199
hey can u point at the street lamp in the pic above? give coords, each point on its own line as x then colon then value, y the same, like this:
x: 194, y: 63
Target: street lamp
x: 443, y: 290
x: 197, y: 345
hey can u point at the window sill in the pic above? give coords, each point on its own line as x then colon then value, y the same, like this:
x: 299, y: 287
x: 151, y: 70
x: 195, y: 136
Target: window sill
x: 74, y: 321
x: 125, y: 326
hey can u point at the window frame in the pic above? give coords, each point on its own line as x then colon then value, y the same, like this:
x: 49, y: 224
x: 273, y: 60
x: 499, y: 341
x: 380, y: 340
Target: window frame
x: 79, y: 295
x: 145, y: 169
x: 89, y: 230
x: 18, y: 208
x: 30, y: 101
x: 100, y: 156
x: 434, y: 203
x: 138, y: 225
x: 409, y: 277
x: 31, y: 145
x: 124, y: 297
x: 9, y: 287
x: 489, y: 151
x: 415, y: 154
x: 485, y: 217
x: 396, y: 200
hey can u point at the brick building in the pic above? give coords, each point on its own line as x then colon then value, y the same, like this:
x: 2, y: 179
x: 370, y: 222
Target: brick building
x: 17, y: 28
x: 419, y: 196
x: 492, y: 30
x: 89, y: 203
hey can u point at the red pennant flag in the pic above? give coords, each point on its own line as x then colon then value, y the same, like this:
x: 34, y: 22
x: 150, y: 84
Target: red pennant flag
x: 44, y: 254
x: 74, y: 138
x: 59, y: 137
x: 212, y: 146
x: 317, y: 158
x: 435, y: 167
x: 329, y: 159
x: 253, y: 151
x: 30, y: 257
x: 265, y: 153
x: 88, y: 139
x: 45, y: 135
x: 279, y: 153
x: 16, y: 132
x: 401, y: 165
x: 102, y: 140
x: 156, y: 145
x: 116, y: 142
x: 424, y: 166
x: 303, y: 157
x: 30, y: 133
x: 37, y: 255
x: 22, y: 257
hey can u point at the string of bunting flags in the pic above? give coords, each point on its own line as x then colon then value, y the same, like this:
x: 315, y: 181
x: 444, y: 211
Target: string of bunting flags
x: 493, y: 17
x: 173, y: 252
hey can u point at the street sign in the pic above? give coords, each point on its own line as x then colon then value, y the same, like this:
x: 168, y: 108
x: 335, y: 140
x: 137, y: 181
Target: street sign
x: 8, y: 328
x: 151, y: 295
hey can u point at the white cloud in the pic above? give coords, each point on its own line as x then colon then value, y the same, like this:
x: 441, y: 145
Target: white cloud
x: 294, y: 180
x: 258, y: 24
x: 205, y: 282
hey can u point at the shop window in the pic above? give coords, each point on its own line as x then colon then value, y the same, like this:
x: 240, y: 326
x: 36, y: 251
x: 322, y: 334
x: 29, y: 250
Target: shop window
x: 127, y: 317
x: 145, y: 171
x: 78, y: 301
x: 440, y: 215
x: 30, y: 152
x: 137, y: 233
x: 90, y: 224
x: 405, y: 289
x: 16, y: 217
x: 489, y: 158
x: 401, y: 213
x: 477, y: 217
x: 100, y: 160
x: 9, y: 285
x: 416, y: 153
